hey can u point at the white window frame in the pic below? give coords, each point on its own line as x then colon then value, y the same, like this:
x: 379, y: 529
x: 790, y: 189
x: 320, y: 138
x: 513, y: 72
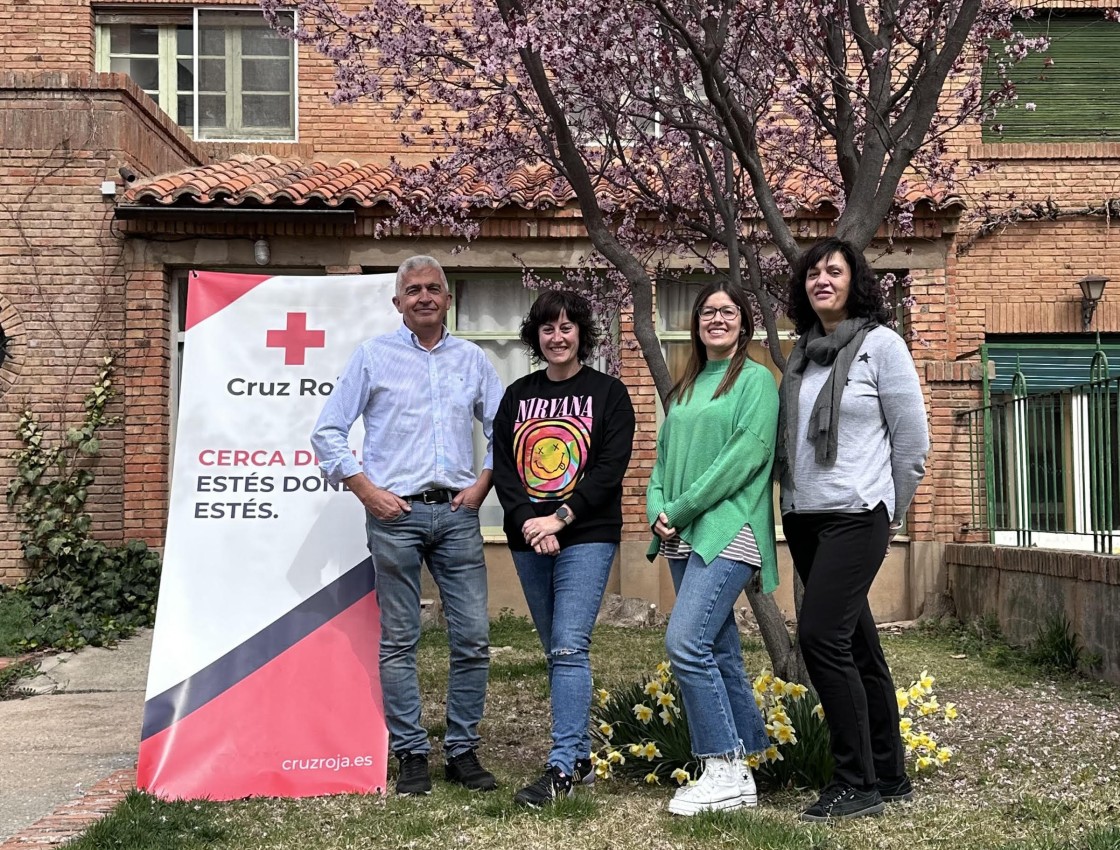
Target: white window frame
x: 168, y: 58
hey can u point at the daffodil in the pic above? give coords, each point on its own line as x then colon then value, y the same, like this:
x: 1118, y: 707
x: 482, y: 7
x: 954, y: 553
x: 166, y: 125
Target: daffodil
x: 759, y: 700
x: 925, y: 682
x: 950, y: 711
x: 606, y: 730
x: 795, y: 691
x: 772, y: 753
x: 762, y: 682
x: 785, y: 734
x: 603, y: 769
x: 595, y: 758
x: 681, y: 776
x: 635, y: 749
x: 643, y: 712
x: 778, y: 715
x: 666, y: 716
x: 903, y: 699
x: 915, y: 693
x: 652, y: 779
x: 665, y: 699
x: 615, y: 757
x: 778, y: 687
x: 928, y: 708
x: 924, y: 763
x: 664, y: 670
x: 944, y: 754
x: 650, y: 751
x: 604, y: 696
x: 818, y: 710
x: 753, y: 761
x: 653, y: 687
x: 905, y: 724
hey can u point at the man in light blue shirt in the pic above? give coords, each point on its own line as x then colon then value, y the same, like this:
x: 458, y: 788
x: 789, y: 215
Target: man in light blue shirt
x: 418, y: 392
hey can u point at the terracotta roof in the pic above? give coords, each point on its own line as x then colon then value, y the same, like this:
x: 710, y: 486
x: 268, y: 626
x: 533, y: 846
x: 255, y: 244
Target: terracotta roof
x: 267, y: 181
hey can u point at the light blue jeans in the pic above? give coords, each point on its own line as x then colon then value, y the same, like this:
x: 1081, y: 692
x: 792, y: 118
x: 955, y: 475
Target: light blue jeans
x: 563, y: 592
x: 450, y: 543
x: 707, y: 658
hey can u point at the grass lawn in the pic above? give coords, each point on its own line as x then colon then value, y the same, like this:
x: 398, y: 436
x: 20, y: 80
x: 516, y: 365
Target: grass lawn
x: 1035, y: 769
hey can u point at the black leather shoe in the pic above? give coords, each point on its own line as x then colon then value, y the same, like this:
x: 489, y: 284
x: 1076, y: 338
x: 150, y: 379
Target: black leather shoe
x: 465, y: 769
x: 840, y: 800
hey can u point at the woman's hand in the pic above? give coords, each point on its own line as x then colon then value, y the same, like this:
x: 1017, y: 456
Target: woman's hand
x: 661, y: 527
x: 548, y: 545
x: 536, y: 529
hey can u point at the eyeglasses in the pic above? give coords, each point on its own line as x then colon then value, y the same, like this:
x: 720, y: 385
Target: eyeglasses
x: 727, y: 311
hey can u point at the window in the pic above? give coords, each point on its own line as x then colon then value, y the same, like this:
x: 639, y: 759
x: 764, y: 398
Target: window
x: 1053, y: 439
x: 218, y: 74
x: 487, y: 309
x: 1066, y: 92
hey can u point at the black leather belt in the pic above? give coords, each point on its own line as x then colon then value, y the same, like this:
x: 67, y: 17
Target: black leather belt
x: 438, y: 496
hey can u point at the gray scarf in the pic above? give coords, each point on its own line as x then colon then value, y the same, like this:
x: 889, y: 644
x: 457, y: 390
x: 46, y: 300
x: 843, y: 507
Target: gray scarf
x: 839, y: 349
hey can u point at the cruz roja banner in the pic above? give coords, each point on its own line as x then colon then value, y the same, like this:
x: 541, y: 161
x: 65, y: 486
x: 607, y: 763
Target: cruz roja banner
x: 263, y: 677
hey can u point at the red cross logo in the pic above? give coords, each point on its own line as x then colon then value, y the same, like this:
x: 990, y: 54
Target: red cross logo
x: 295, y: 339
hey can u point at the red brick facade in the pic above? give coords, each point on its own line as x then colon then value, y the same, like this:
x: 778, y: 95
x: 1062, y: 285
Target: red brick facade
x: 73, y: 283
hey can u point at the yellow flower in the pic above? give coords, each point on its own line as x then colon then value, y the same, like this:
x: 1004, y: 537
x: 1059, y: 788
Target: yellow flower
x: 950, y: 711
x: 924, y: 762
x: 944, y: 754
x: 925, y: 682
x: 635, y: 749
x: 905, y: 724
x: 818, y: 710
x: 606, y: 729
x: 643, y: 712
x: 595, y: 759
x: 903, y: 699
x: 650, y: 751
x: 665, y: 699
x: 603, y: 769
x: 666, y: 716
x: 915, y: 693
x: 615, y: 757
x: 680, y: 776
x: 664, y: 670
x: 753, y: 761
x: 762, y: 681
x: 604, y: 696
x: 760, y: 701
x: 653, y: 687
x: 778, y: 715
x: 929, y: 707
x: 785, y: 734
x: 772, y: 753
x: 652, y: 779
x: 778, y: 687
x: 795, y: 691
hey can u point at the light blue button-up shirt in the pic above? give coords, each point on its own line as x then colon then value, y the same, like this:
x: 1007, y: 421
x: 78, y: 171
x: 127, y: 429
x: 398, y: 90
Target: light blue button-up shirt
x: 418, y: 407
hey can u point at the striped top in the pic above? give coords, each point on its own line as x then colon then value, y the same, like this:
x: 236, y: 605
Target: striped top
x: 418, y: 408
x: 743, y: 548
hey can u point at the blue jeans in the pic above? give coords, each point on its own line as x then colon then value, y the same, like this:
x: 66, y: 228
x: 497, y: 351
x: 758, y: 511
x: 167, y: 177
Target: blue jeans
x: 563, y: 593
x: 707, y: 658
x: 450, y: 542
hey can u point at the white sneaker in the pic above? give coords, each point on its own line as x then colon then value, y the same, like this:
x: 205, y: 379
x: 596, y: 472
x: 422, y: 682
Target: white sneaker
x: 748, y: 793
x: 719, y: 788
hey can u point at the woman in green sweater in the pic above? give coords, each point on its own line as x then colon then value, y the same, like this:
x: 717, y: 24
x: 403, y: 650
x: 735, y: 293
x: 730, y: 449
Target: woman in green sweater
x: 711, y: 508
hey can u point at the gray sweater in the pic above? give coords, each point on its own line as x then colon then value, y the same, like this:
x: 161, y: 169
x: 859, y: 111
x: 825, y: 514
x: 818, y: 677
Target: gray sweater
x: 883, y: 439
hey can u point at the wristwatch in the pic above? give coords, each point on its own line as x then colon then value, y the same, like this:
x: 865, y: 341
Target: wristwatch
x: 564, y: 515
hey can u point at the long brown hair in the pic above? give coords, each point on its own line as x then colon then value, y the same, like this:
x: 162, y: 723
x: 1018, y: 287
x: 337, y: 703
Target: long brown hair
x: 682, y: 389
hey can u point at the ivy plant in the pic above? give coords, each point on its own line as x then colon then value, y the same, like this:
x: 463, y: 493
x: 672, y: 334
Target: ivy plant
x: 81, y: 590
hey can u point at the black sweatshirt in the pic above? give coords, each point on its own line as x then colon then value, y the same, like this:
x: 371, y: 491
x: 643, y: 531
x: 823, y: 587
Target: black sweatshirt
x: 564, y: 442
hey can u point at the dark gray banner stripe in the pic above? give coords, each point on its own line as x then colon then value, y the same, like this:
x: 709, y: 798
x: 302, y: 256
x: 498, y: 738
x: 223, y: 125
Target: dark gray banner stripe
x: 177, y: 702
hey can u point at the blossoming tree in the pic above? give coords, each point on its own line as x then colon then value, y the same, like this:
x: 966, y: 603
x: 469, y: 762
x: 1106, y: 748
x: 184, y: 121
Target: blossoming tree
x: 690, y: 133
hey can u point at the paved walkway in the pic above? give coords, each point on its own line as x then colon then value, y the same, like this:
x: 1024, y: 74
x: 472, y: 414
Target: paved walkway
x: 68, y: 754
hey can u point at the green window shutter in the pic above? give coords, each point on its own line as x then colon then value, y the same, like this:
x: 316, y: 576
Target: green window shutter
x: 1072, y: 84
x: 1047, y: 366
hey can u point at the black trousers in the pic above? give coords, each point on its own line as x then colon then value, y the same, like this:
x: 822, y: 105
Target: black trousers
x: 837, y: 556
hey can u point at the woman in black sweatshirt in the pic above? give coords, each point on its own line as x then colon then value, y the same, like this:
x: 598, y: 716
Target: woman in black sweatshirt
x: 562, y: 442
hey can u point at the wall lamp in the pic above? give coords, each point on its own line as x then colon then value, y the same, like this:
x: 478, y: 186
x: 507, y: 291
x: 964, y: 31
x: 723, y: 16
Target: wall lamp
x: 262, y: 254
x: 1092, y: 290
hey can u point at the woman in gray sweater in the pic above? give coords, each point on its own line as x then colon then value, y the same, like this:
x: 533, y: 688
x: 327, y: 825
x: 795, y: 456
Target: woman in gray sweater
x: 853, y: 441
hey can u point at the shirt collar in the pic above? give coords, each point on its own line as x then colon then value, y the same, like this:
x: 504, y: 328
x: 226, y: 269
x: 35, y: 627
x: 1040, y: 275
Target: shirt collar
x: 406, y: 334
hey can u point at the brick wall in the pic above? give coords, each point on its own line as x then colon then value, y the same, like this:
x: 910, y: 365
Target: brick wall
x: 67, y: 281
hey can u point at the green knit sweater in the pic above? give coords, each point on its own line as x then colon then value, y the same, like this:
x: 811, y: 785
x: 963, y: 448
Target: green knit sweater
x: 712, y: 473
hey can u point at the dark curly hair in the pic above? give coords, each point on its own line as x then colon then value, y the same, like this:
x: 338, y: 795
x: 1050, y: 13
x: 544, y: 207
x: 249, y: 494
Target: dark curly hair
x: 865, y: 297
x: 547, y: 308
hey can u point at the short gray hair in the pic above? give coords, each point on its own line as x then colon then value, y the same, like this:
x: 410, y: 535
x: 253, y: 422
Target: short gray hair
x: 421, y: 261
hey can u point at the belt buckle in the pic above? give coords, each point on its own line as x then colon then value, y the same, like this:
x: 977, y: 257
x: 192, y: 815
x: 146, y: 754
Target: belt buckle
x: 430, y: 497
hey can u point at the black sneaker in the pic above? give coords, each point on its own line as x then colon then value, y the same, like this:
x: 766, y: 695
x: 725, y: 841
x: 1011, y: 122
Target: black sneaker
x: 412, y: 777
x: 553, y: 785
x: 895, y: 790
x: 584, y: 773
x: 465, y: 770
x: 840, y: 800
